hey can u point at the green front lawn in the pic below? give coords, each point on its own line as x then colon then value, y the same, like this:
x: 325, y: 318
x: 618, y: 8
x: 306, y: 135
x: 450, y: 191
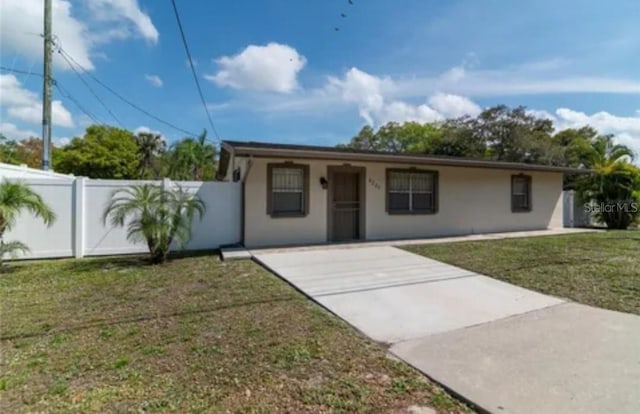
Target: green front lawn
x: 195, y: 335
x: 599, y: 269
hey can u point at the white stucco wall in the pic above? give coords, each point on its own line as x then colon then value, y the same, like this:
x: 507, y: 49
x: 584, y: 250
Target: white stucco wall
x: 471, y: 200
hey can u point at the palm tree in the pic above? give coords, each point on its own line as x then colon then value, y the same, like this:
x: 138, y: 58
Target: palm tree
x: 192, y: 159
x: 604, y: 153
x: 14, y: 198
x: 156, y: 216
x: 615, y: 182
x: 150, y: 145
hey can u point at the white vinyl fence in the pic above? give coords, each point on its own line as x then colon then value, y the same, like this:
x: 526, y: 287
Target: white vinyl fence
x: 79, y: 231
x: 574, y: 211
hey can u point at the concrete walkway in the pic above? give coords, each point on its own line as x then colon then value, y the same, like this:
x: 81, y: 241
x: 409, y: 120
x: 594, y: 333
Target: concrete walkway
x: 430, y: 240
x: 507, y: 349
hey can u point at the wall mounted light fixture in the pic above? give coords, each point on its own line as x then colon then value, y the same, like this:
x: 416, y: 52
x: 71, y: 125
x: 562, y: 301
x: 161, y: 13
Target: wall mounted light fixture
x: 324, y: 183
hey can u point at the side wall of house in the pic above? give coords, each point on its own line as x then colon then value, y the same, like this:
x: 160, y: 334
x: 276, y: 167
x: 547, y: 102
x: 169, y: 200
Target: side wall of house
x: 471, y: 200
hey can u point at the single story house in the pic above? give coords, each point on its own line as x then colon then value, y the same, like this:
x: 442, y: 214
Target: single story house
x: 298, y: 194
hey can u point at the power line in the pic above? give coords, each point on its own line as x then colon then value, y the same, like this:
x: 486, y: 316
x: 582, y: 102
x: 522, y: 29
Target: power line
x: 193, y: 70
x: 63, y: 91
x: 122, y: 98
x: 22, y: 72
x: 95, y: 95
x: 58, y: 86
x: 70, y: 97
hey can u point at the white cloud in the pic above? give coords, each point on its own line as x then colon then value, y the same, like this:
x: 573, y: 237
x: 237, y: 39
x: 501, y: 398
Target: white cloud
x: 380, y: 99
x: 11, y: 131
x: 403, y: 112
x: 78, y: 28
x: 146, y: 130
x: 61, y: 141
x: 453, y: 106
x: 362, y: 89
x: 25, y: 105
x: 454, y: 75
x: 12, y: 93
x: 60, y: 116
x: 602, y: 121
x: 21, y: 24
x: 128, y: 17
x: 625, y: 129
x: 271, y: 68
x: 512, y: 81
x: 154, y: 80
x: 372, y: 96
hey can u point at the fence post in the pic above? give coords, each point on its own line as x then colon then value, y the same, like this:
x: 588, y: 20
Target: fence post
x: 166, y: 183
x: 78, y: 217
x: 572, y: 208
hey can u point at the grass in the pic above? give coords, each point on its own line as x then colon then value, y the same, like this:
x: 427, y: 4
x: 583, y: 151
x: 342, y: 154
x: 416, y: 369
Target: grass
x: 599, y: 269
x: 195, y: 335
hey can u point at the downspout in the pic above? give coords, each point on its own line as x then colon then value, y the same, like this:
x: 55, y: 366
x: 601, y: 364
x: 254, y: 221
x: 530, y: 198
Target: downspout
x: 243, y: 179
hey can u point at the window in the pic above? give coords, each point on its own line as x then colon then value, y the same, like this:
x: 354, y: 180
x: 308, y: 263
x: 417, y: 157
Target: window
x: 520, y: 193
x: 412, y: 192
x: 288, y: 190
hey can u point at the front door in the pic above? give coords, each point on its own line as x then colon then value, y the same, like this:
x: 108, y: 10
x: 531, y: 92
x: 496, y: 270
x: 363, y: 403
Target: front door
x: 345, y: 203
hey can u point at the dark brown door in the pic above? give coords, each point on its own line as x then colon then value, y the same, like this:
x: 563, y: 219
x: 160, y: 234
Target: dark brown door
x: 345, y: 206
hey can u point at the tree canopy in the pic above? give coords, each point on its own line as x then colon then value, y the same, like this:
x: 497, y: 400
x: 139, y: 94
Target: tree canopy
x: 113, y: 153
x: 27, y: 151
x: 103, y: 152
x: 499, y: 133
x: 192, y: 159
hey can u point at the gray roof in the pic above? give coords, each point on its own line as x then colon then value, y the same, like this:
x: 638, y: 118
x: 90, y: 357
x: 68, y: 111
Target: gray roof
x: 272, y: 150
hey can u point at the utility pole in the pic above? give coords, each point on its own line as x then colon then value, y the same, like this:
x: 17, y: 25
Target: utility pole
x: 46, y: 89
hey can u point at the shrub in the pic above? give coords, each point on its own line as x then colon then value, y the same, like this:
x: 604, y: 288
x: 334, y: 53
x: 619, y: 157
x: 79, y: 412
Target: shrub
x: 155, y: 215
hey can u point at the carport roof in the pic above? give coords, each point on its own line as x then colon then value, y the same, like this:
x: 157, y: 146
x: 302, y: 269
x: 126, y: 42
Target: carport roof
x: 291, y: 151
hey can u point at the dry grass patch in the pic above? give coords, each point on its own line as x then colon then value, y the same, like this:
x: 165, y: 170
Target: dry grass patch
x: 195, y: 335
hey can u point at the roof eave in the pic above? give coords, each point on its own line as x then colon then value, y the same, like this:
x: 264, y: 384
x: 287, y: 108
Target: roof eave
x: 395, y: 158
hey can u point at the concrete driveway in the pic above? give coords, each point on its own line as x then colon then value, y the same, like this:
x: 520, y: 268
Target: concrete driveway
x: 506, y: 349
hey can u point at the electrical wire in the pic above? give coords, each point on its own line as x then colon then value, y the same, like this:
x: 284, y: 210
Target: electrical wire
x: 95, y: 95
x: 122, y: 98
x: 22, y: 72
x: 193, y: 70
x: 70, y: 97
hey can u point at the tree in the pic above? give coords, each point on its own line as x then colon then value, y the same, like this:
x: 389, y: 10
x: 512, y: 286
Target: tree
x: 365, y: 140
x: 408, y: 137
x: 513, y: 134
x: 8, y: 150
x: 458, y: 139
x: 498, y: 133
x: 156, y: 216
x: 29, y: 152
x: 614, y: 185
x: 575, y: 145
x: 103, y: 152
x: 14, y: 198
x: 192, y: 159
x: 150, y: 147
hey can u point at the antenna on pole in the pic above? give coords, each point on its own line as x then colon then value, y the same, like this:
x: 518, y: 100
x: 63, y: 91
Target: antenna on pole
x: 46, y: 89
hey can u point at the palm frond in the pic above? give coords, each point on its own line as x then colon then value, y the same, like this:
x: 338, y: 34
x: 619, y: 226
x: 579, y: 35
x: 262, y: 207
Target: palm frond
x: 12, y: 249
x: 16, y: 196
x: 155, y: 215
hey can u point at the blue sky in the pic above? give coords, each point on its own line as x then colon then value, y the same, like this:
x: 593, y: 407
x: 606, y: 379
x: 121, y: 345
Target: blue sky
x: 277, y: 70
